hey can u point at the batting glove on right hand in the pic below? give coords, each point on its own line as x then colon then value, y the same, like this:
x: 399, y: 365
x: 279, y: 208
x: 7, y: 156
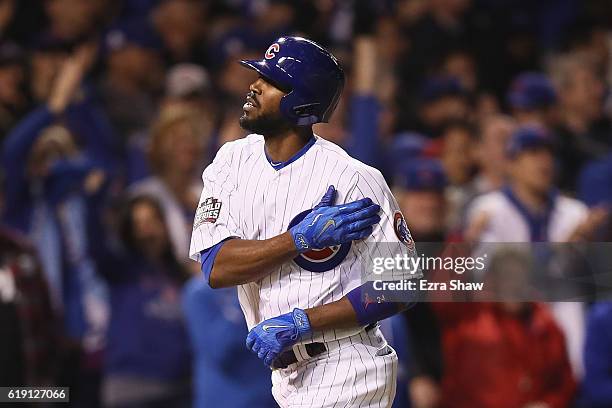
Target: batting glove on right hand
x: 328, y: 225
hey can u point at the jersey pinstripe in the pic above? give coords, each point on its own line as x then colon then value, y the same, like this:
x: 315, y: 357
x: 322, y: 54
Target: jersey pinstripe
x: 258, y: 201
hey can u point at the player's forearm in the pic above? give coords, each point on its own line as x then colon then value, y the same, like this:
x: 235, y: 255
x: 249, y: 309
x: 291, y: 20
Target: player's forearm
x: 343, y: 314
x: 335, y: 315
x: 241, y: 261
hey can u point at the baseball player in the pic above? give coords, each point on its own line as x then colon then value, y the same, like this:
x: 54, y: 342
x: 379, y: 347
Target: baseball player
x: 292, y: 220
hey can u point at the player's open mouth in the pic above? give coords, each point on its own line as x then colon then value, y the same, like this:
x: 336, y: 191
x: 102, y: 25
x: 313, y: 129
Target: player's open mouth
x: 250, y: 104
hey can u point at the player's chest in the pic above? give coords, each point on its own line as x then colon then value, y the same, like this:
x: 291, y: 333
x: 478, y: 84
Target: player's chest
x: 269, y: 200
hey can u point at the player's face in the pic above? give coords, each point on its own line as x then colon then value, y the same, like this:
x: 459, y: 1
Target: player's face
x: 261, y: 110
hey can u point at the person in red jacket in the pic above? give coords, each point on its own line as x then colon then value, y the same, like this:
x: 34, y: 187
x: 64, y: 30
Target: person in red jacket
x: 504, y: 354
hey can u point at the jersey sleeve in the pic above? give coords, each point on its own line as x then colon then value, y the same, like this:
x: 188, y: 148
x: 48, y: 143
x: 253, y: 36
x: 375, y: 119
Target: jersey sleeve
x: 216, y: 215
x: 390, y: 237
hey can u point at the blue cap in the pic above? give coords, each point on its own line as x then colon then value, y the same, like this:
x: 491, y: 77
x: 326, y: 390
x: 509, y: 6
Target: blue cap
x: 438, y: 87
x: 531, y: 90
x: 407, y: 145
x: 136, y: 31
x: 528, y: 137
x: 421, y: 175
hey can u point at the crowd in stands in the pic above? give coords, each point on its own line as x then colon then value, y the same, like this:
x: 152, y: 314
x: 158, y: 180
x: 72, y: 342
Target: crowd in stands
x: 491, y: 120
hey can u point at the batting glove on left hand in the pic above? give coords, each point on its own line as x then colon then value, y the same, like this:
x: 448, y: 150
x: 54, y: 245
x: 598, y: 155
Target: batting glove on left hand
x: 270, y: 337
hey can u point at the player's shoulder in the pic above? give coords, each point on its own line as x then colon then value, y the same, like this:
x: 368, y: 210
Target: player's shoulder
x: 354, y: 166
x: 245, y: 143
x: 230, y: 153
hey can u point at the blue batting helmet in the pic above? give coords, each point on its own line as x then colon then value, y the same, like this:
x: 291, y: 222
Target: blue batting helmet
x: 309, y: 74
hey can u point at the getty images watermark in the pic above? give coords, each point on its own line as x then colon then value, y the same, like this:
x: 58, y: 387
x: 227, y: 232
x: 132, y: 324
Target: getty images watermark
x: 403, y: 272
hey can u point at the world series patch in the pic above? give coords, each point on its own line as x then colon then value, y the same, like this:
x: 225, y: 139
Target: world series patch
x: 208, y: 211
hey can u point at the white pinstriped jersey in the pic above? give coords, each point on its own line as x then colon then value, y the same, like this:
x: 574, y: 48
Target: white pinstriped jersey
x: 244, y: 196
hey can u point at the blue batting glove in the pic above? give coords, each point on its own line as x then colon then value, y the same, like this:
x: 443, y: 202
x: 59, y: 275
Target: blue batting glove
x: 328, y: 199
x: 270, y: 337
x: 329, y: 225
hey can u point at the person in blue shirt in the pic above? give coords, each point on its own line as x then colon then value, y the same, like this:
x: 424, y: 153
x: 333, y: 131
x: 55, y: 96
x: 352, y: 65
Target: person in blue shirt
x: 597, y: 382
x: 57, y: 162
x: 226, y: 373
x: 147, y: 360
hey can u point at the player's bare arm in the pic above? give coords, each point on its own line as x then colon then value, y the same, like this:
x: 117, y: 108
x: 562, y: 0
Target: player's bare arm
x: 341, y: 314
x: 241, y: 261
x: 272, y: 336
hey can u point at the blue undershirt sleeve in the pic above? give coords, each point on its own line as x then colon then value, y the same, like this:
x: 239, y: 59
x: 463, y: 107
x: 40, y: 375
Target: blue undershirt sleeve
x: 207, y: 257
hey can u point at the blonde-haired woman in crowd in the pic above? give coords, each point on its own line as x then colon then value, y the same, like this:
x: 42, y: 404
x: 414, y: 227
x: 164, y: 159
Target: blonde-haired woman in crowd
x: 176, y: 155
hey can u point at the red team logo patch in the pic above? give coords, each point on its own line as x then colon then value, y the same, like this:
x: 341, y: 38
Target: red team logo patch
x: 319, y: 260
x: 208, y: 211
x: 270, y: 52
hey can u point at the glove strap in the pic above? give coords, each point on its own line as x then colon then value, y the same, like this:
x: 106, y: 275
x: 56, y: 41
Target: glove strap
x: 301, y: 244
x: 302, y: 324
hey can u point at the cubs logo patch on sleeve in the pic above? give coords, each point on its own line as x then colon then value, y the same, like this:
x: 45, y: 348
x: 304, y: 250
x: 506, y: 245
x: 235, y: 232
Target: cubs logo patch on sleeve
x: 208, y: 211
x: 401, y: 230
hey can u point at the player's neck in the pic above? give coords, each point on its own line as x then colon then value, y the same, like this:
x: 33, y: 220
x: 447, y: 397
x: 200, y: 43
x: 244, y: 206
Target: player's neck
x: 282, y: 147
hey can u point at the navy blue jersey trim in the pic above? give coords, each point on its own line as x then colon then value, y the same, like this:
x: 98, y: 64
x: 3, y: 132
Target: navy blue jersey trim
x: 279, y: 165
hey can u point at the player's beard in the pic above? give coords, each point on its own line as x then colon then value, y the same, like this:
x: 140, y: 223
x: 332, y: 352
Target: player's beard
x: 267, y: 124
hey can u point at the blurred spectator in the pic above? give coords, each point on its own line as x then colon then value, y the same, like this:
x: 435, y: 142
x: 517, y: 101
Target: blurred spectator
x: 597, y: 385
x: 419, y: 189
x: 583, y: 131
x: 505, y: 354
x: 595, y: 183
x: 52, y: 184
x: 532, y: 99
x: 458, y: 158
x: 134, y: 76
x: 176, y: 153
x: 440, y: 29
x: 181, y: 25
x: 529, y: 209
x: 217, y: 330
x: 46, y: 60
x: 30, y: 349
x: 460, y: 64
x: 148, y: 354
x: 72, y: 20
x: 189, y: 84
x: 187, y: 89
x: 14, y: 100
x: 493, y: 135
x: 443, y: 99
x: 7, y: 13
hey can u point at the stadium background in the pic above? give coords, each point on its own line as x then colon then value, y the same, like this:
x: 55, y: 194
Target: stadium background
x: 110, y: 110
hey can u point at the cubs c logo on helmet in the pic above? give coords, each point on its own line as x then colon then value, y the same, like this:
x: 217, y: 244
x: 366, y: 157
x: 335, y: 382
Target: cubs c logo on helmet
x: 319, y: 260
x: 270, y: 52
